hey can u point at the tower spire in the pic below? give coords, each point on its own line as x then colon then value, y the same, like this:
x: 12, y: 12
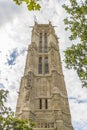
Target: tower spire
x: 35, y: 19
x: 43, y: 96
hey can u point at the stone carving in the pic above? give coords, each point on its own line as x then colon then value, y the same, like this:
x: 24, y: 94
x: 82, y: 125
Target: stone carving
x: 34, y: 45
x: 29, y: 85
x: 53, y: 59
x: 29, y: 79
x: 27, y: 93
x: 55, y: 90
x: 31, y: 54
x: 58, y: 115
x: 31, y: 49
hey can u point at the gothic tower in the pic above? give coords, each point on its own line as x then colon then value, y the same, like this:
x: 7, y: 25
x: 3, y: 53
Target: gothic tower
x: 42, y: 94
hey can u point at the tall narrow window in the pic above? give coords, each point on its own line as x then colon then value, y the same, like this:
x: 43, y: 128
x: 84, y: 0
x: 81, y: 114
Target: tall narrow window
x: 45, y: 42
x: 40, y: 103
x: 40, y: 43
x: 40, y: 65
x: 46, y: 65
x: 46, y: 103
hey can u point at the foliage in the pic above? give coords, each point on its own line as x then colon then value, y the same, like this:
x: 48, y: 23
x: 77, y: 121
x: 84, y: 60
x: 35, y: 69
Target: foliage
x: 7, y: 119
x: 76, y: 22
x: 31, y: 4
x: 76, y: 58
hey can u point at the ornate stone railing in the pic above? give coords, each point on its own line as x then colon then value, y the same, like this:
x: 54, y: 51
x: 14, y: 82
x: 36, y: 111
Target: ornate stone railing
x: 44, y: 125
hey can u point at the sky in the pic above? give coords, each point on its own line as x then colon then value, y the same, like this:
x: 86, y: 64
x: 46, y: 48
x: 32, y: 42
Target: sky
x: 15, y: 36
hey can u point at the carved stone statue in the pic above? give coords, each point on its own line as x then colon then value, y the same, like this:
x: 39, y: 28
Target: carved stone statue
x: 53, y: 59
x: 27, y: 94
x: 29, y: 84
x: 31, y: 56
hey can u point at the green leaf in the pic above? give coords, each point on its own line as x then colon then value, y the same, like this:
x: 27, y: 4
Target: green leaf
x: 37, y: 7
x: 31, y: 6
x: 27, y: 1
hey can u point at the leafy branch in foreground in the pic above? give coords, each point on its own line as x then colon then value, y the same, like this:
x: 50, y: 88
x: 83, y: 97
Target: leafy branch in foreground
x: 31, y: 4
x: 76, y: 22
x: 76, y: 57
x: 7, y: 119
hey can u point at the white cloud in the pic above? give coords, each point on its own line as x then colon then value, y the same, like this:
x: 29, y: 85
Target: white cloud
x: 16, y: 33
x: 8, y: 11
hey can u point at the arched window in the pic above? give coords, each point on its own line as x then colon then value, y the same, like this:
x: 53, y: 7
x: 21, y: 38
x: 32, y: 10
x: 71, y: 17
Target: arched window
x: 45, y: 42
x: 40, y: 65
x: 46, y: 103
x: 40, y: 43
x: 46, y: 65
x: 40, y: 103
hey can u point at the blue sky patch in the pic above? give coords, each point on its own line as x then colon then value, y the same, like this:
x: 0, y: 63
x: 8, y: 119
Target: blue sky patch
x: 1, y: 85
x: 77, y: 100
x: 12, y: 57
x: 82, y: 126
x: 23, y: 51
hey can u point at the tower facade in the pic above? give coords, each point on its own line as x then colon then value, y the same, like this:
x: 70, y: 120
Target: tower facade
x: 42, y: 94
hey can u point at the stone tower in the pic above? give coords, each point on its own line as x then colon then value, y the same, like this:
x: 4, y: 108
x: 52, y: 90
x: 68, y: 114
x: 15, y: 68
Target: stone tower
x: 42, y: 94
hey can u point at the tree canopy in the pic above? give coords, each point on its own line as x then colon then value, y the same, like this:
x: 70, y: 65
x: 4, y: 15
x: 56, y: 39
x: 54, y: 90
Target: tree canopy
x: 31, y: 4
x: 7, y: 119
x: 76, y: 22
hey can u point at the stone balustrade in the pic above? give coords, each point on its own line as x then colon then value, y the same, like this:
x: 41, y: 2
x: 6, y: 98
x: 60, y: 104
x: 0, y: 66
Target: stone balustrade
x: 44, y: 125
